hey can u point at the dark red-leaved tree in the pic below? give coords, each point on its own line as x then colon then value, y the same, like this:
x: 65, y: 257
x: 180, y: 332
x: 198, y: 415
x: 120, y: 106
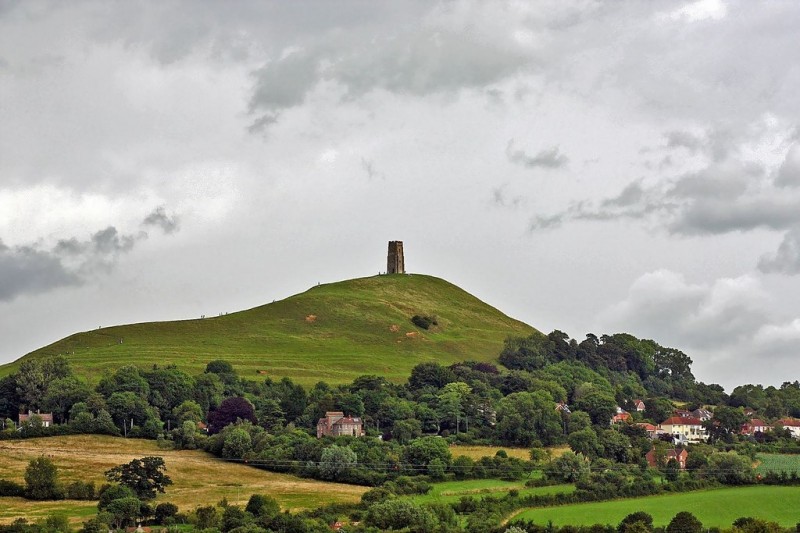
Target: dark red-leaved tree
x: 228, y: 412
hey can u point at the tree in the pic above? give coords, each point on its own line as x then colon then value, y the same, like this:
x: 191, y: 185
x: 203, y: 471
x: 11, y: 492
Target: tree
x: 401, y: 514
x: 729, y: 468
x: 229, y: 411
x: 600, y: 405
x: 237, y: 443
x: 525, y: 417
x: 35, y: 376
x: 165, y: 511
x: 336, y: 461
x: 585, y: 442
x: 452, y: 400
x: 262, y: 506
x: 639, y: 517
x: 144, y: 476
x: 684, y: 522
x: 567, y: 468
x: 41, y: 480
x: 124, y: 511
x: 62, y: 394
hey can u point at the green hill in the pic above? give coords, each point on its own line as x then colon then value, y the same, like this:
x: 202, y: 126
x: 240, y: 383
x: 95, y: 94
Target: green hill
x: 333, y: 332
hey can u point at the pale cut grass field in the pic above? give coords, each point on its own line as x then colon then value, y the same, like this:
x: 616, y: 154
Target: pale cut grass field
x: 198, y: 477
x: 476, y: 452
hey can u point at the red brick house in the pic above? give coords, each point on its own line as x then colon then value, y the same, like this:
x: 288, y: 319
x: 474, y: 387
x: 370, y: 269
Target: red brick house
x: 679, y: 455
x: 621, y: 416
x: 47, y: 418
x: 336, y: 424
x: 638, y: 405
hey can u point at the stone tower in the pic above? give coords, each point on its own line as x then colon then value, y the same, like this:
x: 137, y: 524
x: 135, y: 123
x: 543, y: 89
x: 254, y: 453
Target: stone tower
x: 395, y: 264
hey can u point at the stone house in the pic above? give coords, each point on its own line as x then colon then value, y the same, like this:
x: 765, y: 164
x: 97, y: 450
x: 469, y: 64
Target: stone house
x: 47, y: 418
x: 336, y: 424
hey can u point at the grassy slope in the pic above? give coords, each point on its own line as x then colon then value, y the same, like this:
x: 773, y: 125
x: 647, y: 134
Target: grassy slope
x: 198, y: 477
x: 333, y: 332
x: 719, y: 507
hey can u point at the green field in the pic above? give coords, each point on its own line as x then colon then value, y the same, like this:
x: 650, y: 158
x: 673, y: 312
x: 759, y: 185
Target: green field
x: 199, y: 478
x: 777, y: 463
x: 334, y: 333
x: 452, y: 491
x: 714, y: 508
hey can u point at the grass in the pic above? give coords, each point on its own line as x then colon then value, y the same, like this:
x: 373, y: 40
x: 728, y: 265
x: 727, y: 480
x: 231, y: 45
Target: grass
x: 777, y: 463
x: 714, y: 508
x: 333, y: 332
x: 198, y: 477
x: 452, y: 491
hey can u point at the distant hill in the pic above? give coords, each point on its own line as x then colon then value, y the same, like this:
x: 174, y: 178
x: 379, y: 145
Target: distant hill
x: 333, y: 332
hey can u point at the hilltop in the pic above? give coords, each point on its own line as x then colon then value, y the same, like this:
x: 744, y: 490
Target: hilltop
x: 332, y: 332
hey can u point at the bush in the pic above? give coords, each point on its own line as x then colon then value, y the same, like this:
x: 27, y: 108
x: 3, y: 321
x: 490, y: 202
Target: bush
x: 79, y: 490
x: 424, y: 322
x: 10, y: 488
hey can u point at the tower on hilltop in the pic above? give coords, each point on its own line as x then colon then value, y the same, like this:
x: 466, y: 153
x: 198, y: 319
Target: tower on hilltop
x: 395, y: 264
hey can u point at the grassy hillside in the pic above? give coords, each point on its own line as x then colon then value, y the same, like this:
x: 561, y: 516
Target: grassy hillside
x: 333, y: 332
x: 198, y: 478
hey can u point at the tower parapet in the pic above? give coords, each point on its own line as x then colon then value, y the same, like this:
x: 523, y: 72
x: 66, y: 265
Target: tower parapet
x: 395, y: 263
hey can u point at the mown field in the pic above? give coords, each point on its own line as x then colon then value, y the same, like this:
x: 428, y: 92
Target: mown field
x: 777, y: 463
x: 452, y: 491
x: 714, y: 508
x: 199, y: 478
x: 334, y: 333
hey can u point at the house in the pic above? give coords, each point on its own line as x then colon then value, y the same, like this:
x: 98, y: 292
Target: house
x: 638, y: 405
x: 47, y: 418
x: 755, y: 425
x: 652, y: 431
x: 561, y: 407
x: 792, y: 425
x: 679, y: 455
x: 336, y: 424
x: 685, y: 428
x: 702, y: 414
x: 621, y: 416
x: 683, y: 413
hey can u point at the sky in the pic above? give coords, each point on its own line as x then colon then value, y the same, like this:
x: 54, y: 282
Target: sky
x: 585, y: 166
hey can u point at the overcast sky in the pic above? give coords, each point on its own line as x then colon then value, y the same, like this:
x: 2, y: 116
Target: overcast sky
x: 584, y: 166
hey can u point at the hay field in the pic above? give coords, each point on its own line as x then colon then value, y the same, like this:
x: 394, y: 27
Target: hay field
x: 199, y: 478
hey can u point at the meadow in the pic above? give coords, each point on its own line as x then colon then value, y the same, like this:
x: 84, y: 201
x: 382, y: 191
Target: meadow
x: 777, y: 463
x: 714, y: 508
x: 198, y: 477
x: 452, y: 491
x: 333, y: 332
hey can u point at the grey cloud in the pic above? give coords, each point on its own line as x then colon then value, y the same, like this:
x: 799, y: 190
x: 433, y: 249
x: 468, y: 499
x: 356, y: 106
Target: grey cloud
x: 630, y: 195
x: 786, y: 260
x: 160, y: 219
x: 33, y: 269
x: 426, y: 56
x: 789, y: 172
x: 500, y: 198
x: 684, y: 139
x: 548, y: 158
x: 369, y: 167
x: 662, y: 304
x: 716, y: 217
x: 25, y: 270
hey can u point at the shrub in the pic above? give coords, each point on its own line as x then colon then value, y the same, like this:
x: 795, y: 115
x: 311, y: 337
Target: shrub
x: 10, y: 488
x: 424, y: 322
